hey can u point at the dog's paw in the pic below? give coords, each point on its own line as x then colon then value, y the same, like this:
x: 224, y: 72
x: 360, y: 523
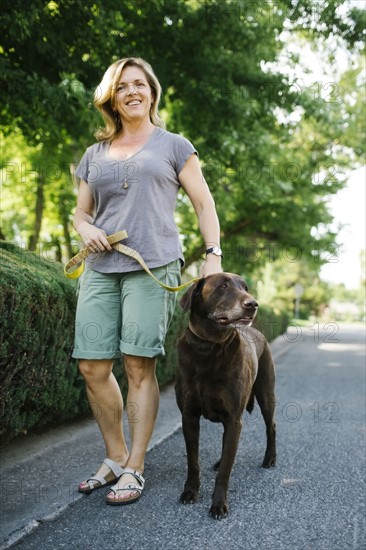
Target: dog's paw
x: 188, y: 497
x: 219, y: 510
x: 269, y: 462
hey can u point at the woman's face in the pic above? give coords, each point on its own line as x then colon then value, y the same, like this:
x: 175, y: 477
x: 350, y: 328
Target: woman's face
x: 133, y: 95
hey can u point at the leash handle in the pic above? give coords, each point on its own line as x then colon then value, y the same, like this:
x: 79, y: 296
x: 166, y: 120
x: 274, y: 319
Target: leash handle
x: 79, y: 261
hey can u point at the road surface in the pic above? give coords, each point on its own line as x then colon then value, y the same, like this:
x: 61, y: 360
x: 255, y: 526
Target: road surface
x: 314, y: 499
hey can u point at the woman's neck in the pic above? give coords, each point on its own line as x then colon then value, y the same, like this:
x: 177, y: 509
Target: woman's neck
x: 132, y: 130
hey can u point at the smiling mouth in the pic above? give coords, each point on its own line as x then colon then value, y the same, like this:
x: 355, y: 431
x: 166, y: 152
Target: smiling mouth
x: 245, y: 320
x: 133, y: 102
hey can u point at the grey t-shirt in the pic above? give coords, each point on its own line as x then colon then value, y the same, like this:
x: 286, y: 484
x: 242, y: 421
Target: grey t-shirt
x: 146, y: 207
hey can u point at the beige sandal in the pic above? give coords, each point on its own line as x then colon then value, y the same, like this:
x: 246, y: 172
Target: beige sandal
x: 96, y: 482
x: 130, y: 486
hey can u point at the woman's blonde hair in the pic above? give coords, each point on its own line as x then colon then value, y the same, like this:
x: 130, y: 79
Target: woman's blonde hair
x: 105, y: 94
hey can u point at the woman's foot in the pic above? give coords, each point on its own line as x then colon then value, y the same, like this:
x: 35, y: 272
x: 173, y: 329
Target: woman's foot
x: 108, y: 473
x: 128, y: 489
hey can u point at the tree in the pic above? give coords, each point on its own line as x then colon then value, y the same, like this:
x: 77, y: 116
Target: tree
x: 275, y: 286
x: 269, y: 171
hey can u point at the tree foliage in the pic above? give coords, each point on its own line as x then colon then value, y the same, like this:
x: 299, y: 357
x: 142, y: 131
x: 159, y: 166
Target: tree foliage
x: 272, y: 152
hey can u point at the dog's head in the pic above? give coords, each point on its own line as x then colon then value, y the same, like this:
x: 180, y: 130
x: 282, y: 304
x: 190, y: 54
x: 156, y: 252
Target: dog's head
x: 222, y: 300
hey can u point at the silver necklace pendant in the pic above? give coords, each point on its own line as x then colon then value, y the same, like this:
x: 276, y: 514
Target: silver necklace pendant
x: 125, y: 184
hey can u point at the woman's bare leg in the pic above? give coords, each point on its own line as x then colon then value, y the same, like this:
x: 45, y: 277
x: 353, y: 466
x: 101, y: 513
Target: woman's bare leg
x: 106, y: 402
x: 143, y: 405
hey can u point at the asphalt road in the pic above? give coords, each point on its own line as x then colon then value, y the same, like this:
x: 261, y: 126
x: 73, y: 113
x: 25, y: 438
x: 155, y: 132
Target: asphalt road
x: 313, y: 500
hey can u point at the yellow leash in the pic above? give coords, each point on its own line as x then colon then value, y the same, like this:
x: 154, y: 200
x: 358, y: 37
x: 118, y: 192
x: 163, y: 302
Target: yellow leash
x: 75, y: 267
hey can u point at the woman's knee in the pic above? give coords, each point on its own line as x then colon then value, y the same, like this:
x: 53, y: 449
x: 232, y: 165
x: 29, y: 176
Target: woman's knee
x: 95, y: 370
x: 139, y: 369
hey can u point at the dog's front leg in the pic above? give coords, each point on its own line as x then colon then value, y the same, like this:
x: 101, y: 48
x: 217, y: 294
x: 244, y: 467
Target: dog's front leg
x: 191, y: 432
x: 219, y: 507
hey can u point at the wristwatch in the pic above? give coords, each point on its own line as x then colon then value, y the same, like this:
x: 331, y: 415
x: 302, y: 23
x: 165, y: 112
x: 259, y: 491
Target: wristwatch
x: 215, y: 250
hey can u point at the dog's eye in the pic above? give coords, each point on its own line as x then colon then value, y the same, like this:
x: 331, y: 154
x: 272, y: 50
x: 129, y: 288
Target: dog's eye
x: 224, y: 285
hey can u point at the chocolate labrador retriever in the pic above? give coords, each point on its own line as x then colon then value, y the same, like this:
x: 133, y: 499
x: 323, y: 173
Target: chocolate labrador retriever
x: 223, y: 363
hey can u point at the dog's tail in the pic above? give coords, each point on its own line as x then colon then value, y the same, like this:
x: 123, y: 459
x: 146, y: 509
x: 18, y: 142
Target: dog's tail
x: 250, y: 404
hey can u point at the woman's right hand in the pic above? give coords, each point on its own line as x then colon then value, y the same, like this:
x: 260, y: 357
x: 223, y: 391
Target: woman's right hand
x: 94, y: 239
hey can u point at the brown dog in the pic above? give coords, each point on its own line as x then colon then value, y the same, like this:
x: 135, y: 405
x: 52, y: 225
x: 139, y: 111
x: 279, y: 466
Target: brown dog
x: 223, y: 363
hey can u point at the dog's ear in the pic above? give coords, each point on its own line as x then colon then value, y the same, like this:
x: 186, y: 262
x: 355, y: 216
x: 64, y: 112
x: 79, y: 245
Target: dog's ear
x: 188, y: 298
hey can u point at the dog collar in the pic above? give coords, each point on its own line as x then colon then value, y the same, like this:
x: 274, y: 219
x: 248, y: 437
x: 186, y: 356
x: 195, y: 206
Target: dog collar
x: 195, y: 333
x: 207, y: 339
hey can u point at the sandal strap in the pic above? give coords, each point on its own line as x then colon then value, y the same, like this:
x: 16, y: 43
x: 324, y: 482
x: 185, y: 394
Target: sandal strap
x: 95, y: 479
x: 140, y: 478
x: 131, y: 485
x: 113, y: 466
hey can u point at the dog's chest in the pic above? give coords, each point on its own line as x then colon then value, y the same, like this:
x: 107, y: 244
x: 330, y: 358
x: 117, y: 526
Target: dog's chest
x: 215, y: 381
x: 219, y: 398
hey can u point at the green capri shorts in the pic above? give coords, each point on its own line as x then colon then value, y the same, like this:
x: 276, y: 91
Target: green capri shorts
x: 124, y: 313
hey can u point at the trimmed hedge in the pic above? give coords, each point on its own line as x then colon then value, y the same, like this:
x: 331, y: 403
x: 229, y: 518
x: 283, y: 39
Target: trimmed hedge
x: 270, y: 323
x: 165, y: 370
x: 40, y: 383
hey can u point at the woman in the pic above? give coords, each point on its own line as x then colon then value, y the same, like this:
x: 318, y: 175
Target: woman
x: 130, y: 180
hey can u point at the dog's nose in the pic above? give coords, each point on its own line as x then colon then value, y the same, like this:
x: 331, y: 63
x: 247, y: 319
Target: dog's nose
x: 250, y: 304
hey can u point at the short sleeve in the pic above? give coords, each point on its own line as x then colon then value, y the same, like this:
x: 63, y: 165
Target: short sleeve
x: 183, y: 149
x: 82, y: 170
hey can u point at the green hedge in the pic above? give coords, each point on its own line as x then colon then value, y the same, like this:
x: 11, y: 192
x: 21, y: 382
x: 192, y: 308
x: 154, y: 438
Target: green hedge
x: 270, y: 323
x: 166, y: 366
x: 40, y: 383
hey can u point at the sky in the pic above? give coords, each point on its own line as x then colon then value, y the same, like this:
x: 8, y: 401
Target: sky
x: 348, y: 208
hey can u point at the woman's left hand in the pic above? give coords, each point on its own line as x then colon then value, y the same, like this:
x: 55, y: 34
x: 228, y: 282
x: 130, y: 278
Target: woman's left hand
x: 212, y: 265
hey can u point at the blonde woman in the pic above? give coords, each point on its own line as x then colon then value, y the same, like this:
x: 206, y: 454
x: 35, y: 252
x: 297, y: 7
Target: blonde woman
x: 129, y: 180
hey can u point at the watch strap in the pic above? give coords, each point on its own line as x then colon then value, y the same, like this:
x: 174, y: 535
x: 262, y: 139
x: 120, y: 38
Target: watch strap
x: 212, y: 251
